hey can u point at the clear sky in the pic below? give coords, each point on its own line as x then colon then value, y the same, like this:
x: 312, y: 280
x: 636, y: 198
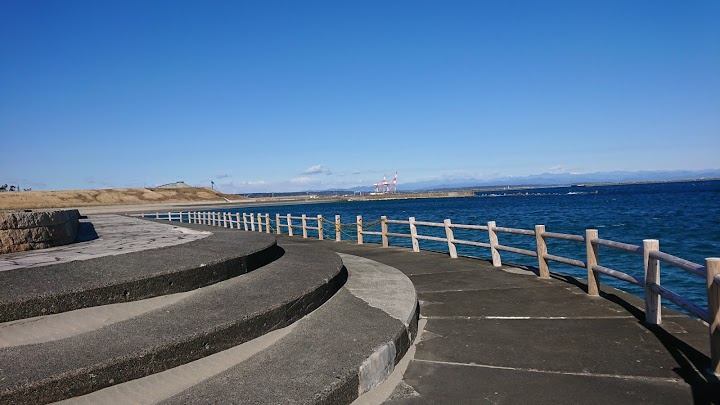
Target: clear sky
x: 297, y: 95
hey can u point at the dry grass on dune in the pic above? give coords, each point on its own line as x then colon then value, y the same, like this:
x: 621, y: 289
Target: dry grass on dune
x: 115, y: 196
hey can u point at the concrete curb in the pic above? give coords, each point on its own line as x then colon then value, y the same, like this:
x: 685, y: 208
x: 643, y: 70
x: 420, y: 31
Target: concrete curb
x: 45, y: 290
x: 391, y: 291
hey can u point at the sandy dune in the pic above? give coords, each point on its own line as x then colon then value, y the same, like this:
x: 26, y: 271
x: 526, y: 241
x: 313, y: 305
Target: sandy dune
x: 109, y: 197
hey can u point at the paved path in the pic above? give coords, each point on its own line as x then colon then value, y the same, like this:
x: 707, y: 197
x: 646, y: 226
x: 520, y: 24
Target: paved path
x: 115, y: 235
x: 506, y: 336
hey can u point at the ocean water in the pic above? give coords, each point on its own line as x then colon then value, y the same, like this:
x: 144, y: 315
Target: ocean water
x: 684, y: 217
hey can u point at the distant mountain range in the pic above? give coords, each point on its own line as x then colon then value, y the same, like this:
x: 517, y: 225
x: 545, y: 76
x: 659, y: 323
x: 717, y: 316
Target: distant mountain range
x: 556, y: 179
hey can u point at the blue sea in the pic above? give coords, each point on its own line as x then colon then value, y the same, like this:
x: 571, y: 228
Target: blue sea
x: 683, y: 216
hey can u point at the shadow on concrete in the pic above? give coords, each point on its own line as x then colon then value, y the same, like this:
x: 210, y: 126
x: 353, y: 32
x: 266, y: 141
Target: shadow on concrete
x: 693, y: 366
x: 86, y: 232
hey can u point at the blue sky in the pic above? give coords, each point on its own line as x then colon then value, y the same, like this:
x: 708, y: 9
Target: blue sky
x: 297, y: 95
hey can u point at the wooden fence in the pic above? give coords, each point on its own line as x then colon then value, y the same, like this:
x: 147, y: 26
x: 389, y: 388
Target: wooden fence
x: 650, y: 252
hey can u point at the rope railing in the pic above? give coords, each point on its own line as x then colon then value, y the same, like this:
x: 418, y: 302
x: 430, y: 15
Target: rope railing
x: 652, y: 256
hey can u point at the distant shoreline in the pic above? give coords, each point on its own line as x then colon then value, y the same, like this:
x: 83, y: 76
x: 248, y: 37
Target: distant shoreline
x: 150, y: 206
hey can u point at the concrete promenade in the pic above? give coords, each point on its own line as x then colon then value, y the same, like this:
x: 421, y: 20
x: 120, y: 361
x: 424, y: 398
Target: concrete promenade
x: 506, y: 336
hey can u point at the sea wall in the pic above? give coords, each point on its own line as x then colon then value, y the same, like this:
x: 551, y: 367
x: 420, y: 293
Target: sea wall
x: 27, y: 230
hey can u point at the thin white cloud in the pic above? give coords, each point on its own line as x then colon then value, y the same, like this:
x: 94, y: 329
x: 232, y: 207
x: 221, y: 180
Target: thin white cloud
x: 317, y: 169
x: 304, y: 180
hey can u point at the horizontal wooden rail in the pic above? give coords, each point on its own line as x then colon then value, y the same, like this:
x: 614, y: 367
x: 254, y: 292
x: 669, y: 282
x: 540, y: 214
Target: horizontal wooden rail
x: 475, y: 227
x: 471, y: 243
x: 399, y: 235
x: 618, y: 245
x: 372, y: 233
x: 397, y: 221
x: 618, y: 275
x: 560, y: 259
x: 690, y: 267
x: 681, y: 302
x: 563, y: 236
x: 435, y: 224
x: 516, y: 250
x: 431, y: 238
x: 514, y: 231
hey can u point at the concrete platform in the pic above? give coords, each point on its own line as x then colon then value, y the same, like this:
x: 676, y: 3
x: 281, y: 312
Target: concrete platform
x: 86, y: 277
x: 498, y: 335
x: 338, y: 351
x: 502, y: 335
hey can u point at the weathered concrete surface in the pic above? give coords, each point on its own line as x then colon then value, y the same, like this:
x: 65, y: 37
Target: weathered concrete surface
x: 382, y: 287
x: 508, y: 337
x: 69, y: 285
x: 215, y: 318
x: 28, y: 230
x: 334, y: 354
x: 108, y: 235
x: 336, y: 350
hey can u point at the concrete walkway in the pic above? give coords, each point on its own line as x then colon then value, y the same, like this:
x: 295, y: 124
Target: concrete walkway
x: 107, y: 235
x: 506, y: 336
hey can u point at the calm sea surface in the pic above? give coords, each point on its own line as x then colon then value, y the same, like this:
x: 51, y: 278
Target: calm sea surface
x: 685, y: 217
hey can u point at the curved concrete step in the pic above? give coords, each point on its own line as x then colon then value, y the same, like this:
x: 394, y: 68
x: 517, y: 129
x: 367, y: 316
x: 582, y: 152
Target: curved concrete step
x: 31, y: 292
x: 340, y: 350
x: 209, y: 320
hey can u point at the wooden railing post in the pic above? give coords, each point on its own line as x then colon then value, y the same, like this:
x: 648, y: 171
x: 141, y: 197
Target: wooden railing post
x: 157, y: 215
x: 384, y: 231
x: 321, y: 234
x: 450, y: 239
x: 289, y: 225
x: 277, y: 224
x: 224, y: 220
x: 252, y: 222
x: 712, y: 266
x: 493, y: 244
x: 267, y: 222
x: 592, y: 259
x: 260, y: 222
x: 653, y: 314
x: 543, y: 268
x: 237, y: 218
x: 245, y: 223
x: 338, y: 228
x: 413, y: 235
x: 304, y: 225
x: 359, y: 230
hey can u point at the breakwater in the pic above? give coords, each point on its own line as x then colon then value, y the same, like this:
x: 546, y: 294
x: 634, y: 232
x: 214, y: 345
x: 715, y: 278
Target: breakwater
x: 649, y: 251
